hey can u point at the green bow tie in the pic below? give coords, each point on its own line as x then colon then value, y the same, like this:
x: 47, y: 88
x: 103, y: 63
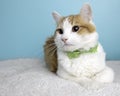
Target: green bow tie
x: 77, y: 53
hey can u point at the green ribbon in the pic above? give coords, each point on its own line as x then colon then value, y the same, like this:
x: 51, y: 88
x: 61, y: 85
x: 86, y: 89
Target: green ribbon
x: 77, y: 53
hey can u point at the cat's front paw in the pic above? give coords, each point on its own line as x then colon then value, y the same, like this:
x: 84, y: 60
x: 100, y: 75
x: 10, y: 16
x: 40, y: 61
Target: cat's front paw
x: 92, y: 85
x: 105, y: 76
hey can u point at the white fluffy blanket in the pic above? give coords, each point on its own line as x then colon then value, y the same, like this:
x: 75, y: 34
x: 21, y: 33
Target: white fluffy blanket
x: 30, y: 77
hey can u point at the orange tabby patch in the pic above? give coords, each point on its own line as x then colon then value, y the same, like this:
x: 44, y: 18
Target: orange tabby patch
x: 85, y: 27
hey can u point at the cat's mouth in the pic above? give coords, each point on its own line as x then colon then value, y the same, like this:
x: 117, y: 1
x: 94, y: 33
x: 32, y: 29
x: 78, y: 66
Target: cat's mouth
x: 68, y: 47
x: 66, y: 44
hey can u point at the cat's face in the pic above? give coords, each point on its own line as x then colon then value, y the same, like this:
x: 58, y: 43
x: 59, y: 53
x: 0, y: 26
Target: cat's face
x: 75, y: 31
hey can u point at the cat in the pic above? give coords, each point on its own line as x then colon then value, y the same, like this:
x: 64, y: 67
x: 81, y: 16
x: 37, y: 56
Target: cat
x: 74, y: 52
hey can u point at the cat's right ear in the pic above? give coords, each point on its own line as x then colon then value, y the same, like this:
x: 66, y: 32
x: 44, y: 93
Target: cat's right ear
x: 57, y: 17
x: 86, y: 12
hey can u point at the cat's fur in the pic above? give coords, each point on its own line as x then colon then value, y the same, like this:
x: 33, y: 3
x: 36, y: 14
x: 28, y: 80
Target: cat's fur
x: 50, y: 54
x: 88, y: 66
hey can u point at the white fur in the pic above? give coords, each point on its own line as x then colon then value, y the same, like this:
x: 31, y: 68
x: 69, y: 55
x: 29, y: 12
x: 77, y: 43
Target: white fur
x: 87, y: 67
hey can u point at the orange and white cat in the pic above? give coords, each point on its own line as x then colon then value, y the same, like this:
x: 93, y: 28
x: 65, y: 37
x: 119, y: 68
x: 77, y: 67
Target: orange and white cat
x: 76, y: 53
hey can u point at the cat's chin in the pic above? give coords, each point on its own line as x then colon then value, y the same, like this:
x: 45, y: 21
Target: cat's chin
x: 69, y: 48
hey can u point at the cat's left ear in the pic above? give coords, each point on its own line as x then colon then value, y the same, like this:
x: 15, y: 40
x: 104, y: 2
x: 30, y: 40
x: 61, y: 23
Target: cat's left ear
x: 57, y: 17
x: 86, y: 12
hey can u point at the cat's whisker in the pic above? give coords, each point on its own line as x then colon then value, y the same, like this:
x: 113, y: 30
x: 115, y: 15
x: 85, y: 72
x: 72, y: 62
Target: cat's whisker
x: 50, y: 45
x: 52, y: 38
x: 52, y: 49
x: 53, y: 52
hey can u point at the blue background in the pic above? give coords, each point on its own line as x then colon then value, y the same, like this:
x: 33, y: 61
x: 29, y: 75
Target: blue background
x: 25, y: 25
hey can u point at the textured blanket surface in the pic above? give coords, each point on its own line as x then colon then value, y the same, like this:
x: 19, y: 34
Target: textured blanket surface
x: 30, y: 77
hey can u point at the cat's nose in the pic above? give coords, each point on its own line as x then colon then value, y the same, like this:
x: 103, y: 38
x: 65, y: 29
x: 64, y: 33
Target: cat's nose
x: 64, y: 39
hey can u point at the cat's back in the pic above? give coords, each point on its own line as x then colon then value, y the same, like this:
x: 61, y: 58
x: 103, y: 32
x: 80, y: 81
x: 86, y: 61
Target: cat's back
x: 50, y: 54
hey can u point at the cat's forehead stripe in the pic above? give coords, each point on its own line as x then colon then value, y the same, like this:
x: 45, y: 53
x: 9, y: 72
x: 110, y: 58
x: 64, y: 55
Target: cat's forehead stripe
x: 66, y: 23
x: 74, y: 19
x: 69, y: 21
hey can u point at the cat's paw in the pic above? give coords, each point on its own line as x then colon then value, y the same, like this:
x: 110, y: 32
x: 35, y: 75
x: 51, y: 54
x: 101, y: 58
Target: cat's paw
x: 105, y: 76
x: 92, y: 85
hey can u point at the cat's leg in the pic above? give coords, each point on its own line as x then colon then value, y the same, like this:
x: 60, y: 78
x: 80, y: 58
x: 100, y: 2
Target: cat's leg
x: 100, y: 79
x: 83, y: 81
x: 68, y: 76
x: 105, y: 76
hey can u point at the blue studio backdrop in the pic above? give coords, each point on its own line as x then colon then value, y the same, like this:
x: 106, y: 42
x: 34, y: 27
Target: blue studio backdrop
x: 25, y: 25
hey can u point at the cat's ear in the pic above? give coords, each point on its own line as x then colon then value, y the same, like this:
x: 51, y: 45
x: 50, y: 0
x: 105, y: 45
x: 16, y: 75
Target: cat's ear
x: 86, y: 12
x: 57, y: 17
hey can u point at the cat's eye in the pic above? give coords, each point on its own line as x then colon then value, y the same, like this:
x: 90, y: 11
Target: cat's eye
x: 75, y: 28
x: 60, y: 31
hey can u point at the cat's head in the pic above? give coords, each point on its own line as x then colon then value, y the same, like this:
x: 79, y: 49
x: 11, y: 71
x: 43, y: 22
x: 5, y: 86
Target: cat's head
x: 75, y: 31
